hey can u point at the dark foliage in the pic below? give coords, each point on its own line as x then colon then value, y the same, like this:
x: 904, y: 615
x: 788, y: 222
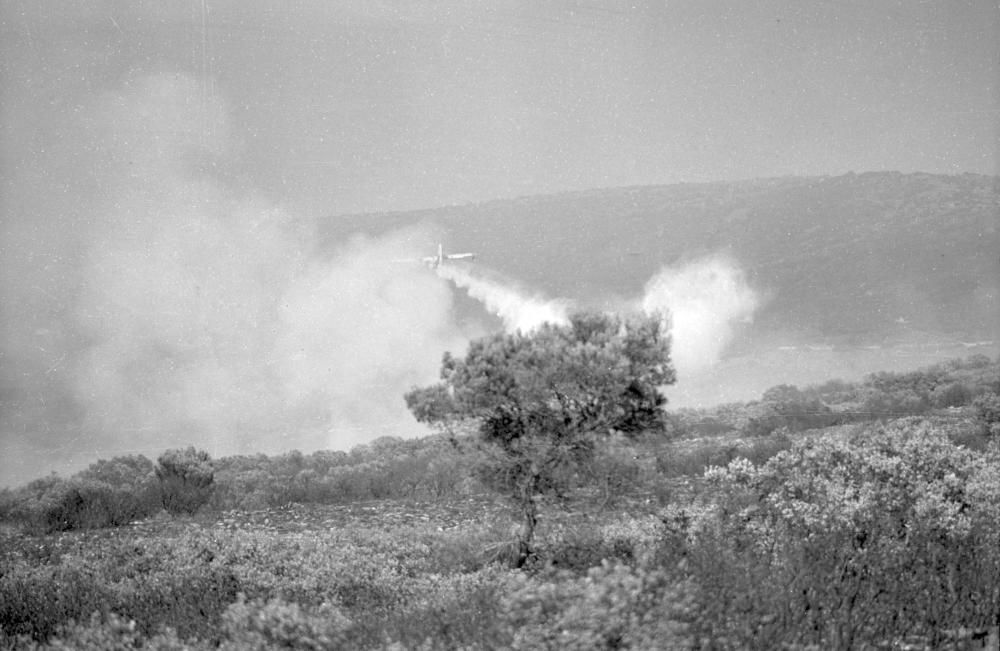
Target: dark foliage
x: 107, y: 494
x: 186, y: 479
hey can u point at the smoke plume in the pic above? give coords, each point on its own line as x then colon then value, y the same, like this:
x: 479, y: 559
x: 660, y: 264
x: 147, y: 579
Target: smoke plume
x: 159, y: 304
x: 705, y: 300
x: 358, y: 332
x: 516, y: 309
x: 150, y: 301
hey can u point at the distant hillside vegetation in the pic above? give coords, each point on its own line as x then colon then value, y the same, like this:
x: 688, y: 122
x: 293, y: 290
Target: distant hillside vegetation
x: 871, y: 257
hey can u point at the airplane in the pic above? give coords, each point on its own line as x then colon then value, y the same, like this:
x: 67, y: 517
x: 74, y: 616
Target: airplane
x: 435, y: 261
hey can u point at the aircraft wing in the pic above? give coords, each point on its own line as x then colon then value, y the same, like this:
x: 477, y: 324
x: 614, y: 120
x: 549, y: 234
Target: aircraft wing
x: 434, y: 260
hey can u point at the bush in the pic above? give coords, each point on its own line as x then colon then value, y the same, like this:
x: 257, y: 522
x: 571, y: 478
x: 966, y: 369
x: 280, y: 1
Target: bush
x: 35, y: 602
x: 450, y: 612
x: 615, y: 470
x: 108, y: 493
x: 690, y: 460
x: 855, y: 541
x: 612, y: 607
x: 133, y: 473
x: 55, y: 504
x: 258, y: 626
x: 190, y: 600
x: 186, y: 480
x: 91, y: 505
x: 761, y: 450
x: 987, y: 408
x: 686, y: 460
x: 111, y: 632
x: 952, y: 394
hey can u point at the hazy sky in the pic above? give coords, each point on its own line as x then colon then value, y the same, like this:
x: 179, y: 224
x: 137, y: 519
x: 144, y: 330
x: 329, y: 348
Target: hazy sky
x: 373, y: 105
x: 161, y: 163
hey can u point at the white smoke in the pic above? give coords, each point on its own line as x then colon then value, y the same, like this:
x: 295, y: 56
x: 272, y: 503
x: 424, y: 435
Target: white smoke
x: 517, y: 310
x: 358, y: 332
x: 153, y: 303
x: 705, y: 299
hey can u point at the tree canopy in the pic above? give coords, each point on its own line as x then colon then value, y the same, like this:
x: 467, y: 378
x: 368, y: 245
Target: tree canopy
x: 541, y: 399
x: 600, y: 372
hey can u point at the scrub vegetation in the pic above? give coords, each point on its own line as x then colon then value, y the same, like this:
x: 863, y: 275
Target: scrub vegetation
x: 839, y: 516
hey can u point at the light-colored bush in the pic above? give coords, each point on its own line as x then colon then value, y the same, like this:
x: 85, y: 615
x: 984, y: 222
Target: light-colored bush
x: 890, y: 533
x: 262, y: 625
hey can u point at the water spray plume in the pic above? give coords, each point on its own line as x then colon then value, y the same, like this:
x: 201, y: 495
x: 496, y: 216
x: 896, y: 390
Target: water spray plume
x: 515, y: 309
x: 705, y: 299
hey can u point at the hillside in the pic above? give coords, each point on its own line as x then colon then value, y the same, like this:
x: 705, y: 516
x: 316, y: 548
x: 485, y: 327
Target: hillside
x: 874, y: 258
x: 732, y: 530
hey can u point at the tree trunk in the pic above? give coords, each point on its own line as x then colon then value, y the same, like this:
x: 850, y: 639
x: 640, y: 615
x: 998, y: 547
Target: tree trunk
x: 526, y: 532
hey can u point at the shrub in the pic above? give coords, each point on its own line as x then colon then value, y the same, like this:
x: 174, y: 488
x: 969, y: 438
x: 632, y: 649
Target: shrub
x: 851, y: 541
x: 92, y: 504
x: 614, y: 470
x: 578, y: 548
x: 258, y: 626
x: 55, y: 504
x: 952, y: 394
x: 111, y: 632
x: 190, y: 600
x: 8, y: 505
x: 460, y: 611
x: 134, y: 492
x: 686, y: 460
x: 613, y: 606
x: 761, y: 449
x: 186, y: 480
x: 987, y: 408
x: 689, y: 460
x: 134, y: 473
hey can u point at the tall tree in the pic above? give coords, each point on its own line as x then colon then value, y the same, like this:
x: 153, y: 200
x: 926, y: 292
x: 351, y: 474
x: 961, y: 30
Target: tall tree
x: 542, y: 399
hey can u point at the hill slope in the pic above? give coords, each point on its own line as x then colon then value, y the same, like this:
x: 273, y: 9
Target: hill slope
x: 869, y: 258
